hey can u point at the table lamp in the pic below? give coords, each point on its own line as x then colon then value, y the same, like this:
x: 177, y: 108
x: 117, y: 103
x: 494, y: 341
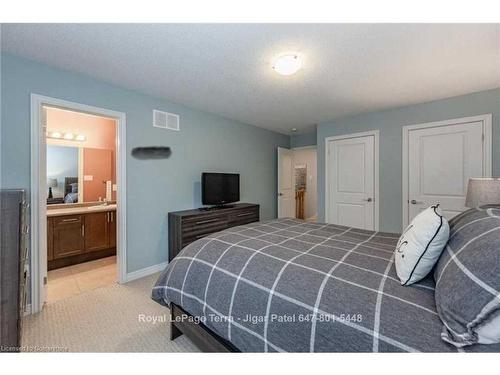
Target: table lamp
x: 482, y: 191
x: 51, y: 183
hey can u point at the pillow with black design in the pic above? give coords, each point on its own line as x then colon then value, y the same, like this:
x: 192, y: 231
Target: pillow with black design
x: 420, y: 245
x: 468, y: 279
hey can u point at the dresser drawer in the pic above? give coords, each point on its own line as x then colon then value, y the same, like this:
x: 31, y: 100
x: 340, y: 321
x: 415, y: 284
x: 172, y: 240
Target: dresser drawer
x: 204, y: 222
x: 195, y: 231
x: 242, y: 217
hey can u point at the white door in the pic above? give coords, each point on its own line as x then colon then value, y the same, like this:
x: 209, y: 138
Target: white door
x: 440, y: 162
x: 351, y: 182
x: 286, y: 198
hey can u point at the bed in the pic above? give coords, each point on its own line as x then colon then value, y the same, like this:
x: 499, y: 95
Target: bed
x: 71, y: 190
x: 288, y: 285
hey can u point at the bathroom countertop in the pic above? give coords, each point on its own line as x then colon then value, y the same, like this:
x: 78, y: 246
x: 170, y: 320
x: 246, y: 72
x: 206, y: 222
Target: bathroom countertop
x: 80, y: 210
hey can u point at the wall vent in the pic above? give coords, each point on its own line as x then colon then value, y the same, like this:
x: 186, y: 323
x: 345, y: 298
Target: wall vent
x: 165, y: 120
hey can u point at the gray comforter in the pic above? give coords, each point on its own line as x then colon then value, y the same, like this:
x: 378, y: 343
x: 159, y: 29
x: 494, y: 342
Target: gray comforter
x: 291, y: 286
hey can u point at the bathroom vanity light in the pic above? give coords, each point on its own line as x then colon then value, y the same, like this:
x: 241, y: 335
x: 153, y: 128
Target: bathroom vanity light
x: 66, y: 136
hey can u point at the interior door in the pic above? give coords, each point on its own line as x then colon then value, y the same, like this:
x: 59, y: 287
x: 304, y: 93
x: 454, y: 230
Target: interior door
x: 286, y: 199
x: 351, y: 182
x: 440, y: 162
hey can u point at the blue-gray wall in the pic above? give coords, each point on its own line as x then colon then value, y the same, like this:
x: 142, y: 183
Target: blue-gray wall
x: 302, y: 140
x: 390, y: 124
x: 205, y: 143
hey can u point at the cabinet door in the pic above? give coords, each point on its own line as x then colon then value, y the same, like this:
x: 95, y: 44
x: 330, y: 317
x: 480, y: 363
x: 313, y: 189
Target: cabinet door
x: 96, y: 231
x: 112, y: 229
x: 50, y: 238
x: 68, y: 236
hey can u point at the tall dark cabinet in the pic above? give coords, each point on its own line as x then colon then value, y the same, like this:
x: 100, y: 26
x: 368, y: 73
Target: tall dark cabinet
x: 13, y: 271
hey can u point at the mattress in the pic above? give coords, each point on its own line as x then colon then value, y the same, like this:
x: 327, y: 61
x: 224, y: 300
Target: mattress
x: 288, y: 285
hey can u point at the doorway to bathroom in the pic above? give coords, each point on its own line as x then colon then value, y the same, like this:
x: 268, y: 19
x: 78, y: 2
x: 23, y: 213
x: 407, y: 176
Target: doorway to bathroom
x: 78, y: 210
x: 81, y: 202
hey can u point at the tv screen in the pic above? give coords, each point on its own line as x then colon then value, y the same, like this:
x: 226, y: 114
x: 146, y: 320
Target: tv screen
x: 220, y: 188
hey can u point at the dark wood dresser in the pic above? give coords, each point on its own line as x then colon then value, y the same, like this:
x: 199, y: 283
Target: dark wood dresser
x: 188, y: 226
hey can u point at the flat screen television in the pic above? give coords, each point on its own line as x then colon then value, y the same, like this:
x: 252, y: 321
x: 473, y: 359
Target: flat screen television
x: 219, y: 189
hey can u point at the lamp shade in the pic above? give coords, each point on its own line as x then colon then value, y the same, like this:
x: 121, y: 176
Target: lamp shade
x: 52, y: 182
x: 482, y: 191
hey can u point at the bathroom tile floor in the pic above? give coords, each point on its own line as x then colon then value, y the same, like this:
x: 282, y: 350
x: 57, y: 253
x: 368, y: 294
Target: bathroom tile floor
x: 70, y: 281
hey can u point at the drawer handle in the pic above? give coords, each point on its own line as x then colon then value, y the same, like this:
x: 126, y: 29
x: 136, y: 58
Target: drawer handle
x: 206, y: 221
x: 69, y: 220
x: 246, y: 214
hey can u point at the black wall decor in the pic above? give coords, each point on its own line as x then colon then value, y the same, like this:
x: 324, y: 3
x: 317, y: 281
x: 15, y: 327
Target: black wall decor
x: 153, y: 152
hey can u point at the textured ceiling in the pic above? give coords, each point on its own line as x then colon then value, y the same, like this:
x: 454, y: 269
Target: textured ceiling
x: 226, y: 68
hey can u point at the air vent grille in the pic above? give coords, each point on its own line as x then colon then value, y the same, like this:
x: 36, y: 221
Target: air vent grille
x: 165, y: 120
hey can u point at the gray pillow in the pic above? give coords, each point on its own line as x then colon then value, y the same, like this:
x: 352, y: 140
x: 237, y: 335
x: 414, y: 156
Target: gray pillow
x: 468, y: 279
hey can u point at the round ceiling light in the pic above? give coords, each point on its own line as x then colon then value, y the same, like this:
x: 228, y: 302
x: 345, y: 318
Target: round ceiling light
x: 287, y: 64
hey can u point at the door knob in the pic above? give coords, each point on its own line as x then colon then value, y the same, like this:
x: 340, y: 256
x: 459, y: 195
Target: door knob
x: 413, y: 201
x: 368, y: 199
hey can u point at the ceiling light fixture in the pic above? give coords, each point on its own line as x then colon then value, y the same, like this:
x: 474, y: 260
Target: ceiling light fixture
x: 287, y: 64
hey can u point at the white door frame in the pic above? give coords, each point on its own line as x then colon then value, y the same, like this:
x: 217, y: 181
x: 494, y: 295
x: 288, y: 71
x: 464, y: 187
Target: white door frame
x: 304, y: 147
x: 38, y: 257
x: 487, y: 150
x: 376, y: 135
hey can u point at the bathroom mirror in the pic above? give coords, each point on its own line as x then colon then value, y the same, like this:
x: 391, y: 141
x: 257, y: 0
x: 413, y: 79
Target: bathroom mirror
x: 79, y: 174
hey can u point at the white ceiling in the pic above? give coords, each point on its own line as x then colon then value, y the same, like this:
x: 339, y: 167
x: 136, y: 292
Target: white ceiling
x: 226, y: 68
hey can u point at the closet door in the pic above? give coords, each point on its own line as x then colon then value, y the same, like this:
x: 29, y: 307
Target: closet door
x: 440, y: 162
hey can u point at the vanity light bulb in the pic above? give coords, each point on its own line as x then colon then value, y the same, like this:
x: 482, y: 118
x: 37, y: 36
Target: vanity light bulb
x: 69, y: 136
x: 55, y: 135
x: 80, y: 137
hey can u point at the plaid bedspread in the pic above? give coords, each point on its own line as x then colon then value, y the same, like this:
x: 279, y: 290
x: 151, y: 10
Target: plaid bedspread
x: 288, y: 285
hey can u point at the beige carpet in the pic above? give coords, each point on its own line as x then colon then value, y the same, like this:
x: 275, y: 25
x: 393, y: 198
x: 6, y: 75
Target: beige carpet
x: 107, y: 319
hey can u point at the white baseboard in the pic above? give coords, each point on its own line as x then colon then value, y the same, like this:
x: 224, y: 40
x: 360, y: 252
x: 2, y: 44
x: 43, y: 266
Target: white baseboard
x: 145, y: 272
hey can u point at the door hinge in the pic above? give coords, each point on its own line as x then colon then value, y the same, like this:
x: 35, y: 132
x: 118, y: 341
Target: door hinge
x: 482, y: 137
x: 45, y: 280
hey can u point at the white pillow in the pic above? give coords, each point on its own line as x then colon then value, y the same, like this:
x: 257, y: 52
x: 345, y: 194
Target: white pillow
x: 420, y: 245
